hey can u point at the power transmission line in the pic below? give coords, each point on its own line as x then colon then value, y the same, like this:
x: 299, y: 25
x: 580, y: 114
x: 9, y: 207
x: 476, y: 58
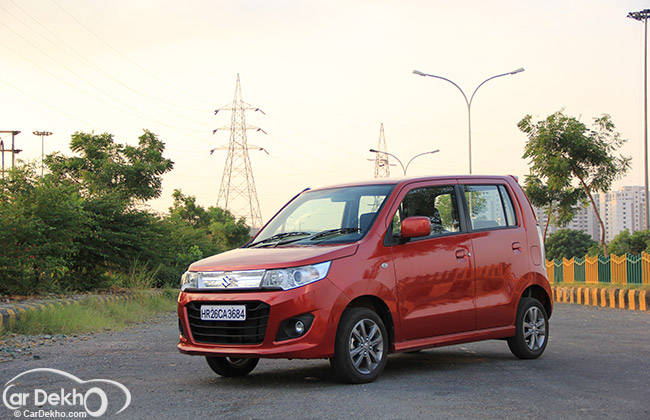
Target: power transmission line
x: 45, y: 104
x: 237, y: 191
x: 73, y: 51
x: 111, y: 47
x: 117, y: 102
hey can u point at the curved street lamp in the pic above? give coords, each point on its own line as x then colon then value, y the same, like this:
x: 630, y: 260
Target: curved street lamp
x: 404, y: 168
x: 469, y: 101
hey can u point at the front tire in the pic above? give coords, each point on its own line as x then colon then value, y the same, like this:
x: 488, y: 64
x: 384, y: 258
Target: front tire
x: 531, y: 336
x: 231, y: 366
x: 361, y: 347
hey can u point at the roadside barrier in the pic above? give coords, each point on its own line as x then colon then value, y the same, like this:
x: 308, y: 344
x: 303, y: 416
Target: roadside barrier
x: 9, y: 315
x: 606, y: 269
x: 634, y: 299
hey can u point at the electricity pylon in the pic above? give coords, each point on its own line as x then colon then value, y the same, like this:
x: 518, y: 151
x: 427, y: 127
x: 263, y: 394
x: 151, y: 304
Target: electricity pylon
x: 382, y: 168
x: 237, y: 192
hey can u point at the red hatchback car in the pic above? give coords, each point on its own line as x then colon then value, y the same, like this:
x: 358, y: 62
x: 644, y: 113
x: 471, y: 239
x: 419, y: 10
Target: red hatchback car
x: 355, y: 272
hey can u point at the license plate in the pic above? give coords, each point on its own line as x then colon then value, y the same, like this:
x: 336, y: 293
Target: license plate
x: 223, y: 312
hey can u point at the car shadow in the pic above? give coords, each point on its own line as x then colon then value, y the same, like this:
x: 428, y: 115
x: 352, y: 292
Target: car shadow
x: 317, y: 373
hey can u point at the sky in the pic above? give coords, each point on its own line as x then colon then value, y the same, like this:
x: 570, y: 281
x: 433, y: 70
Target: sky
x: 325, y: 73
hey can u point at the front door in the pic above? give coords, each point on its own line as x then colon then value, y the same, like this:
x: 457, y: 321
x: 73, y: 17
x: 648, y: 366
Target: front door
x: 434, y: 274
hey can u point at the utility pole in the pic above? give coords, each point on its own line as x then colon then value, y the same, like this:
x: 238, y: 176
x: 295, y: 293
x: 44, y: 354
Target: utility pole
x: 237, y: 191
x: 643, y: 15
x: 13, y: 149
x: 382, y: 168
x: 43, y: 134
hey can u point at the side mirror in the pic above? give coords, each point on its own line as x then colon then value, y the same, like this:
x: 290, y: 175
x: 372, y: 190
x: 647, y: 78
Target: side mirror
x: 416, y: 226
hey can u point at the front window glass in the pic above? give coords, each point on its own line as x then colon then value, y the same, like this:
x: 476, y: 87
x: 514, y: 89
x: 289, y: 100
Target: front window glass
x: 326, y: 216
x: 437, y: 203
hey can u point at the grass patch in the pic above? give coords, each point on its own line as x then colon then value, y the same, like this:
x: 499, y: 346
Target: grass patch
x: 92, y: 315
x: 605, y: 286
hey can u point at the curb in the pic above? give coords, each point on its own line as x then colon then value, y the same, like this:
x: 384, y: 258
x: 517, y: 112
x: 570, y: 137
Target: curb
x: 636, y: 300
x: 9, y: 315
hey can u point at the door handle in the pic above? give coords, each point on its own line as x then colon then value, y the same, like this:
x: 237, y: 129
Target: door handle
x: 461, y: 253
x: 516, y: 246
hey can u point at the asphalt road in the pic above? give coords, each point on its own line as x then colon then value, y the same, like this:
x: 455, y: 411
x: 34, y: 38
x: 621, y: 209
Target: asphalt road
x: 597, y: 365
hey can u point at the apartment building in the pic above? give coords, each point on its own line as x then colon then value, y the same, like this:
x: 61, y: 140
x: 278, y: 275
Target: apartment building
x: 621, y: 209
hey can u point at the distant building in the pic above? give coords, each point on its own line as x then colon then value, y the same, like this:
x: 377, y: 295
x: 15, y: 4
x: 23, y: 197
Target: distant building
x: 624, y: 209
x: 620, y: 210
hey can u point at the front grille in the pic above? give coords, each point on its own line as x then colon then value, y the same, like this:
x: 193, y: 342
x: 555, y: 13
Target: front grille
x: 250, y: 331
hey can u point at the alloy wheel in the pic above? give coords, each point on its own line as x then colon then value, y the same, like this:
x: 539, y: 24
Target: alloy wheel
x: 534, y: 326
x: 366, y: 346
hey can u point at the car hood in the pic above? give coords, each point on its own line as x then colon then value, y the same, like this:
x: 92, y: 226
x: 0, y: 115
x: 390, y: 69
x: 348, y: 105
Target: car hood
x: 263, y: 258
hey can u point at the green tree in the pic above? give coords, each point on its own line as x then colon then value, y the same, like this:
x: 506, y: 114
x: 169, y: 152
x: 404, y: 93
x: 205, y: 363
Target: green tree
x: 80, y: 226
x: 106, y: 168
x: 225, y: 230
x: 567, y: 243
x: 635, y: 243
x: 563, y: 150
x: 112, y: 178
x: 193, y: 232
x: 559, y: 202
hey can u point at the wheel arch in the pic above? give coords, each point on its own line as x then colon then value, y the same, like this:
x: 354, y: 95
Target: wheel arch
x: 538, y: 292
x: 378, y: 306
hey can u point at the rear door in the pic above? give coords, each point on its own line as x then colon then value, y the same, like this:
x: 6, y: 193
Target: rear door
x: 499, y: 241
x: 433, y: 273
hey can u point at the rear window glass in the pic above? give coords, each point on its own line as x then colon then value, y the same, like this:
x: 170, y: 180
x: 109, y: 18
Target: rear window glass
x: 511, y: 216
x: 486, y: 208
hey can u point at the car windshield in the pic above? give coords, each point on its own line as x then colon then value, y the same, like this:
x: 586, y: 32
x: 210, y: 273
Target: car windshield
x: 334, y: 215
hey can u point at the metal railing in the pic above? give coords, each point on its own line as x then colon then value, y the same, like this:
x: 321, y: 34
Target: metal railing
x: 608, y: 269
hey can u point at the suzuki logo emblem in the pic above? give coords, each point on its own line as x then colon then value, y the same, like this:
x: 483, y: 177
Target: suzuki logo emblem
x: 227, y: 281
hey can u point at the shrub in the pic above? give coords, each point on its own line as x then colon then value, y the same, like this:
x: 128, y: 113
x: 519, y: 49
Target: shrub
x: 81, y: 227
x: 568, y: 243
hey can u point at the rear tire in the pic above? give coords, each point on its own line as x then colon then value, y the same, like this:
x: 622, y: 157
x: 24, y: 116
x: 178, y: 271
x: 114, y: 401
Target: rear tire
x: 231, y: 366
x: 531, y: 336
x: 361, y: 346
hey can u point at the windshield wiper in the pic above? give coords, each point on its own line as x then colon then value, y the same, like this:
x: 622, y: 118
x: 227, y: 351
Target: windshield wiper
x: 332, y: 232
x: 278, y: 237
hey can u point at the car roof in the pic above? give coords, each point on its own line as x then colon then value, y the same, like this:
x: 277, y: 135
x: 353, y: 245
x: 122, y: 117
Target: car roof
x: 409, y: 180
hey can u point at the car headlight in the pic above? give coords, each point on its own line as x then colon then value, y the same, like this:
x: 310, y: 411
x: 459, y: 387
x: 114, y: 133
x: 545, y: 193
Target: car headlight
x: 285, y: 278
x: 190, y: 280
x: 290, y: 278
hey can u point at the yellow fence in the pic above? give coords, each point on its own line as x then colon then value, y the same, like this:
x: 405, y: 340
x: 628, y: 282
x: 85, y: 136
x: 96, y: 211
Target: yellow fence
x: 612, y: 269
x: 645, y: 268
x: 591, y: 270
x: 567, y: 270
x: 619, y: 269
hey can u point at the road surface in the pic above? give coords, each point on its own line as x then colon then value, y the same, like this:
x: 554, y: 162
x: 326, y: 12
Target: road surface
x: 597, y: 365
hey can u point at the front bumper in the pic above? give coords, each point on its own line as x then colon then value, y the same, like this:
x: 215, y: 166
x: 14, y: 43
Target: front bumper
x: 322, y: 299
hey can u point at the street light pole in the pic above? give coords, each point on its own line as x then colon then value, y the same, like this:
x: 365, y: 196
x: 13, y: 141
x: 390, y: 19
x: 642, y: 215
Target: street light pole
x: 43, y: 134
x: 404, y: 168
x: 469, y: 102
x: 643, y: 16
